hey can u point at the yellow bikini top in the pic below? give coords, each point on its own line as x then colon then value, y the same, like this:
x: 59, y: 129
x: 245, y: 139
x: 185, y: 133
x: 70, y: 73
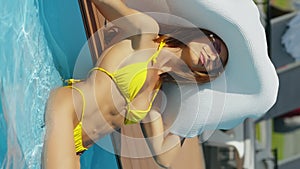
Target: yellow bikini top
x: 129, y: 80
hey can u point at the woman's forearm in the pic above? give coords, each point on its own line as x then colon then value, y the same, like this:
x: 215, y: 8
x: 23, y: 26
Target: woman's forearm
x: 163, y: 147
x: 113, y: 9
x: 128, y: 19
x: 168, y: 151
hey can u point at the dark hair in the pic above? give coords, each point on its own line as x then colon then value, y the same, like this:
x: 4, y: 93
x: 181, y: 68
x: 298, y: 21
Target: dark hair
x: 179, y: 37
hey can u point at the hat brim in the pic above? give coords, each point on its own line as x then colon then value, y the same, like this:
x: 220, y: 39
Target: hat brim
x: 249, y: 83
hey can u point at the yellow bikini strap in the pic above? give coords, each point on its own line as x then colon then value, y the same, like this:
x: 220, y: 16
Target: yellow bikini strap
x: 69, y: 82
x: 83, y: 99
x: 155, y: 94
x: 155, y: 55
x: 102, y: 70
x: 151, y: 102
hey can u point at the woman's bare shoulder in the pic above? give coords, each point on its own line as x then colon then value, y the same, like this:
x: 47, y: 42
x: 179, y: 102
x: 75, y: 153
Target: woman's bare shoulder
x: 136, y: 42
x: 112, y: 56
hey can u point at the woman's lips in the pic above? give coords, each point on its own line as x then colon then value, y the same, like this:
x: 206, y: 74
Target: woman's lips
x: 202, y: 59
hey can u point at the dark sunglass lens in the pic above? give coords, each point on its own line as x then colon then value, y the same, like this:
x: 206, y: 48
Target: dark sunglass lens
x: 217, y: 46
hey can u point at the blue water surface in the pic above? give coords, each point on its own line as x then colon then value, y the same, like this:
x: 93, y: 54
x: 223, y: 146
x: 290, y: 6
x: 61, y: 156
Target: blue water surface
x: 39, y: 45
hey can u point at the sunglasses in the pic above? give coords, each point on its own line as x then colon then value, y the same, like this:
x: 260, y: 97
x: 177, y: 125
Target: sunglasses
x: 216, y: 43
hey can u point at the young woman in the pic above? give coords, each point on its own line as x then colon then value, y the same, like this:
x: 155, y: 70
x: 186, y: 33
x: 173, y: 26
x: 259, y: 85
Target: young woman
x: 122, y: 87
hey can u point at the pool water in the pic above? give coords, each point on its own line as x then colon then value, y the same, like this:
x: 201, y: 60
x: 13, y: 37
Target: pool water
x: 39, y: 45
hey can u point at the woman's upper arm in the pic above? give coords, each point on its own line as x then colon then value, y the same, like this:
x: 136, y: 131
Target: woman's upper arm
x: 126, y: 18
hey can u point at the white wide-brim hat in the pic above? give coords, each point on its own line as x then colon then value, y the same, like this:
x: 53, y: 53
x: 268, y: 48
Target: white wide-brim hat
x: 249, y: 85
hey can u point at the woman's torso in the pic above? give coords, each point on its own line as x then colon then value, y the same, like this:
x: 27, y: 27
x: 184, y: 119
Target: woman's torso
x: 106, y: 106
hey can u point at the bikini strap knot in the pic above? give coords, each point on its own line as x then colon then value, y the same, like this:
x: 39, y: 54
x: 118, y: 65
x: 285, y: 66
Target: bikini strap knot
x: 69, y: 82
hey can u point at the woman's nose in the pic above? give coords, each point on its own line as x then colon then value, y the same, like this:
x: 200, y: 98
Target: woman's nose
x: 211, y: 53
